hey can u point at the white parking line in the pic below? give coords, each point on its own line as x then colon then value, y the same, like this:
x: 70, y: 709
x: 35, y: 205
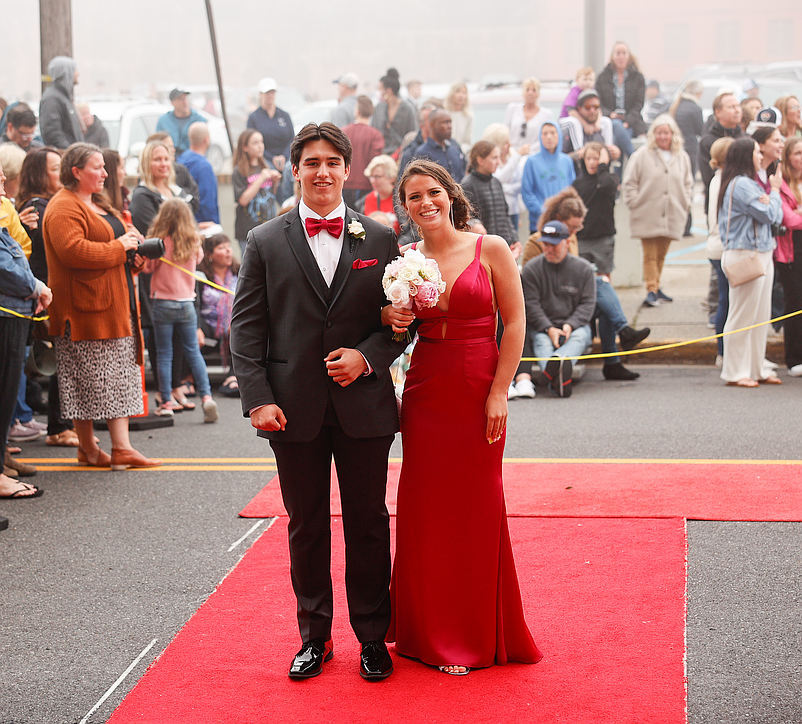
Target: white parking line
x: 118, y: 682
x: 253, y: 528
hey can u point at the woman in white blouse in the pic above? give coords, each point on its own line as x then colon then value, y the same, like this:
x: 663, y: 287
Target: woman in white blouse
x: 524, y: 119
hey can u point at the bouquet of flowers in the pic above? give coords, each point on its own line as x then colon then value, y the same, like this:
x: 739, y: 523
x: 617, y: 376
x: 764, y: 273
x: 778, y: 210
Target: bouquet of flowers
x: 412, y: 280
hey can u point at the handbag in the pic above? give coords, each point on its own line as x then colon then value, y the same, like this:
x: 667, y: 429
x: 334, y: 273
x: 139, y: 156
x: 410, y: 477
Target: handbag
x: 746, y: 269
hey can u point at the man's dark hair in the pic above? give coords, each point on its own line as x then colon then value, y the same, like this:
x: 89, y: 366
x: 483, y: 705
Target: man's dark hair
x: 21, y: 115
x: 326, y: 131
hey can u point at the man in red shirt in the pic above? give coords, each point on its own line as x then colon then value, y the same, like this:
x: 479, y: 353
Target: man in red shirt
x: 367, y: 143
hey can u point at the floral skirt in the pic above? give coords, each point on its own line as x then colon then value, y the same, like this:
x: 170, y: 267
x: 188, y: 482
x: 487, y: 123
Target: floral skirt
x: 98, y: 378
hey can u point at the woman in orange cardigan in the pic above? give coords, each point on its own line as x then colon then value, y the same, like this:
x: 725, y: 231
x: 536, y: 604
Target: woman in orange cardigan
x: 95, y: 319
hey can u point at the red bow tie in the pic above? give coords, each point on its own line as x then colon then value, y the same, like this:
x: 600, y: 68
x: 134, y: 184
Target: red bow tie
x: 333, y: 226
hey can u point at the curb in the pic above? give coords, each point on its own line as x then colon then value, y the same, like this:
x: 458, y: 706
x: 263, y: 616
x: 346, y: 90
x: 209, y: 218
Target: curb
x: 701, y: 353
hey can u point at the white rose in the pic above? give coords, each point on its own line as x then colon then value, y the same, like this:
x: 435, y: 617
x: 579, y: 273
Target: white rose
x: 398, y: 293
x: 408, y: 275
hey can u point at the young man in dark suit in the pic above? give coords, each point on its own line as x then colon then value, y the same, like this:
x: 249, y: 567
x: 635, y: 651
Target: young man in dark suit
x: 311, y: 357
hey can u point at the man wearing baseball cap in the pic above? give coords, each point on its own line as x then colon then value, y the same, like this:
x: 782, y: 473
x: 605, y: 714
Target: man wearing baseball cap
x: 345, y: 112
x: 274, y: 124
x: 560, y: 296
x: 178, y: 121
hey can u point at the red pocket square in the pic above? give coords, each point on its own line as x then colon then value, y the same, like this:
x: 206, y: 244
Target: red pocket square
x: 360, y: 264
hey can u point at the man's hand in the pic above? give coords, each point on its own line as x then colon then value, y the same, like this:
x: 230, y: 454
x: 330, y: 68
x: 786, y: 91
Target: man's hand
x: 614, y: 151
x: 345, y: 365
x: 556, y: 332
x: 269, y: 417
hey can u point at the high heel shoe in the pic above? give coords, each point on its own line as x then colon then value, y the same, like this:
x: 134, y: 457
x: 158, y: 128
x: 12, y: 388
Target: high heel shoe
x: 102, y: 459
x: 124, y: 459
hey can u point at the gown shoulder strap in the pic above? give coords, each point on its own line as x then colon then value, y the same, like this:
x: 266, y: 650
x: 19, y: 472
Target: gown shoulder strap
x: 479, y: 246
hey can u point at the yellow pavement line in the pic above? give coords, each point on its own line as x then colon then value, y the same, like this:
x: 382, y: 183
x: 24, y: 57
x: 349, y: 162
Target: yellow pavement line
x: 652, y: 461
x: 164, y: 468
x: 270, y: 461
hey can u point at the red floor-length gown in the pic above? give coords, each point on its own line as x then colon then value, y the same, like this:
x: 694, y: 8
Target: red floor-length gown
x: 455, y: 593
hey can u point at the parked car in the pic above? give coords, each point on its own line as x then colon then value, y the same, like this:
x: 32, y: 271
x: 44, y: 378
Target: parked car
x: 489, y: 103
x: 129, y: 122
x: 773, y: 80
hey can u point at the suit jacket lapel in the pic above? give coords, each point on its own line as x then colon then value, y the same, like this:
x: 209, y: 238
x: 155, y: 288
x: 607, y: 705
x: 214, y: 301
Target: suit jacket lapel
x: 306, y: 260
x: 347, y: 256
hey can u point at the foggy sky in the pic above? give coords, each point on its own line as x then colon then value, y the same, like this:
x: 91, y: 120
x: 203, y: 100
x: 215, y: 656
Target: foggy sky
x: 121, y: 46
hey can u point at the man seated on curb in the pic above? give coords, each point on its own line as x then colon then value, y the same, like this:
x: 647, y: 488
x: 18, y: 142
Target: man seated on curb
x: 560, y: 296
x: 568, y: 207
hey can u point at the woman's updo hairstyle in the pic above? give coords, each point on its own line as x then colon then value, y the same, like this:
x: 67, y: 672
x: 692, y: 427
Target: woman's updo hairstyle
x: 461, y: 208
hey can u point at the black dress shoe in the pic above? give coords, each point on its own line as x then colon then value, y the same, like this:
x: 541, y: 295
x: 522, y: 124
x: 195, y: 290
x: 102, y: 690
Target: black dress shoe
x: 618, y: 372
x: 308, y: 662
x: 630, y: 338
x: 374, y: 661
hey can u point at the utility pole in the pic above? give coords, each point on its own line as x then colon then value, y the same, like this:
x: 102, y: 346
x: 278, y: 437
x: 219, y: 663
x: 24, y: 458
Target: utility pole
x: 217, y: 71
x: 594, y: 34
x: 55, y: 31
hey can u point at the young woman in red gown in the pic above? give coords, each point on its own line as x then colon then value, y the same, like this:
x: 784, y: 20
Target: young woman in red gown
x: 455, y: 595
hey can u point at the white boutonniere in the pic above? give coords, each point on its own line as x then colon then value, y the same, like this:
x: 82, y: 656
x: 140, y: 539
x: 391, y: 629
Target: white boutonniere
x: 356, y: 229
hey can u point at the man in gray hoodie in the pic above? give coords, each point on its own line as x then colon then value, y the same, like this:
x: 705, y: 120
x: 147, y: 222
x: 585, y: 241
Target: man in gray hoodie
x: 59, y: 123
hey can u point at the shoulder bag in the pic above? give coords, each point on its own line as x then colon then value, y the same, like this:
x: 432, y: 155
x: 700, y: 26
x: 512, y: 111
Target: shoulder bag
x: 746, y: 269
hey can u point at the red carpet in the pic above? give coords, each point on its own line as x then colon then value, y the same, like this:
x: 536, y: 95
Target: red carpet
x: 604, y: 599
x: 726, y: 491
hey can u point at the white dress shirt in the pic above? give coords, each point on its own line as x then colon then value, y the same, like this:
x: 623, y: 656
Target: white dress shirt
x: 325, y: 247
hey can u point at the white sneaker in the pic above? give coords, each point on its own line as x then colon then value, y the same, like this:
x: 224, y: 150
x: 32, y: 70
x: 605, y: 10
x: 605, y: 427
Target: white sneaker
x: 578, y: 372
x: 210, y: 411
x: 795, y: 371
x: 525, y: 388
x: 769, y: 365
x: 719, y: 361
x: 512, y: 393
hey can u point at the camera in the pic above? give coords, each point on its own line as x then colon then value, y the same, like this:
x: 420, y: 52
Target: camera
x: 149, y: 248
x: 778, y: 230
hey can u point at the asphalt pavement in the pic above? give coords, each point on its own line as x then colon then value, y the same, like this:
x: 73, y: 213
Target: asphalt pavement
x: 104, y: 564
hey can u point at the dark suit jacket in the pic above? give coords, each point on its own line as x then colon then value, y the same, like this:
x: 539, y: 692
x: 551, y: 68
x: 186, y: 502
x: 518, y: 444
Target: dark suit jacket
x: 286, y: 320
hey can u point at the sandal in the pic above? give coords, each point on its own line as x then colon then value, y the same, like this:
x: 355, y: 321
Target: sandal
x: 66, y: 438
x: 20, y: 493
x: 159, y: 402
x: 187, y: 389
x: 455, y: 673
x: 230, y: 387
x: 13, y: 450
x: 771, y: 380
x: 182, y: 401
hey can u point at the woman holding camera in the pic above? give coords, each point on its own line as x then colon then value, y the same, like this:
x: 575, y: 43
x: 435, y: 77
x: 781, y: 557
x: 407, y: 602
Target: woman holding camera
x: 95, y: 317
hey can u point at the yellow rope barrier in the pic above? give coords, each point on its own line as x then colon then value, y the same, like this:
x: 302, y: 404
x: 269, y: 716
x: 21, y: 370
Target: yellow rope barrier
x: 204, y: 280
x: 659, y: 347
x: 24, y: 316
x: 601, y: 355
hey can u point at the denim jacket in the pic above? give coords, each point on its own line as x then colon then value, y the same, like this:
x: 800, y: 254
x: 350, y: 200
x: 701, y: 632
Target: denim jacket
x: 750, y: 226
x: 19, y: 288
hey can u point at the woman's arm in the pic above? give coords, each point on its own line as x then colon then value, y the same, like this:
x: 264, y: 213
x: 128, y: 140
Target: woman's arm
x: 506, y: 283
x: 253, y: 188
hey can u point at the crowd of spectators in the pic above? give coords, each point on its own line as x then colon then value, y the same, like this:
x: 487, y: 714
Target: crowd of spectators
x: 70, y: 230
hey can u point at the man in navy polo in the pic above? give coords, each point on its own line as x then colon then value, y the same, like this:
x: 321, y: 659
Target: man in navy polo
x: 440, y: 148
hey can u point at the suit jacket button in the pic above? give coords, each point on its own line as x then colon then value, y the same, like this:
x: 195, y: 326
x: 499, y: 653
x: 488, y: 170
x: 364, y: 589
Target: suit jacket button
x: 328, y: 325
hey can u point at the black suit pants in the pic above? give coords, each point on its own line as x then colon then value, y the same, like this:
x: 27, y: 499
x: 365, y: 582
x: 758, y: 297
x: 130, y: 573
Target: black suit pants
x: 305, y: 476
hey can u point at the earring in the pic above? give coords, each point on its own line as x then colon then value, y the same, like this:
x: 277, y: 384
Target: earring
x: 451, y: 215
